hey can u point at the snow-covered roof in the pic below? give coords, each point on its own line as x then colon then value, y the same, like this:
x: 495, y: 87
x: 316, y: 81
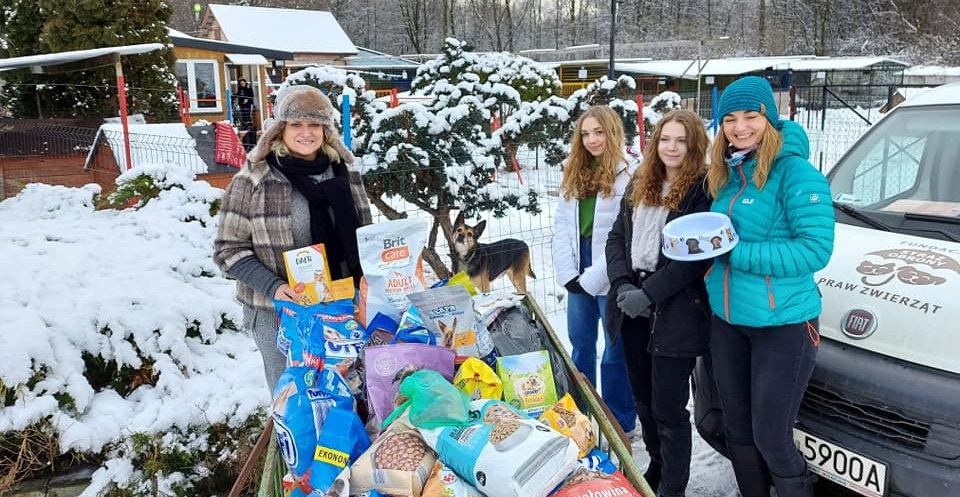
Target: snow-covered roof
x: 158, y: 143
x: 841, y: 63
x: 234, y: 51
x: 735, y: 66
x: 945, y: 94
x: 52, y: 59
x: 291, y: 30
x: 932, y: 71
x: 371, y: 58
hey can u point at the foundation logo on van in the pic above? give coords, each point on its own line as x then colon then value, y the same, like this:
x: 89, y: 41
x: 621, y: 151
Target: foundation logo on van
x: 910, y: 276
x: 910, y: 266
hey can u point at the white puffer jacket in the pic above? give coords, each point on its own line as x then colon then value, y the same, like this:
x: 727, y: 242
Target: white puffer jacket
x: 566, y: 235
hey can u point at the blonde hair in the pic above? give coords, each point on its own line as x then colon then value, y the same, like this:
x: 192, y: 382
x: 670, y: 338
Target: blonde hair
x: 647, y: 187
x: 328, y: 147
x: 771, y: 141
x: 580, y: 179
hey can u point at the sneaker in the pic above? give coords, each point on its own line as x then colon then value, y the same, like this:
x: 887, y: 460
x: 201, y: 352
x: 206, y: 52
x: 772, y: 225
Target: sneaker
x: 632, y: 434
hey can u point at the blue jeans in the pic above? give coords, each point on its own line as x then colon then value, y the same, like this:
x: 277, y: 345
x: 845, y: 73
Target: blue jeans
x: 584, y: 319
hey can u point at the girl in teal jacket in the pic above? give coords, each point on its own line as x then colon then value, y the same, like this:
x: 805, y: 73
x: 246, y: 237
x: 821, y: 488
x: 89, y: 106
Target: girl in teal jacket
x: 763, y: 295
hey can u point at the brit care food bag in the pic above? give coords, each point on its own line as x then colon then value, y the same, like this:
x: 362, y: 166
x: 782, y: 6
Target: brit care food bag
x: 391, y: 258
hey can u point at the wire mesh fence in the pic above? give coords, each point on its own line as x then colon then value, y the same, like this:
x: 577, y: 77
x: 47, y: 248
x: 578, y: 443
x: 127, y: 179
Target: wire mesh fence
x: 834, y: 118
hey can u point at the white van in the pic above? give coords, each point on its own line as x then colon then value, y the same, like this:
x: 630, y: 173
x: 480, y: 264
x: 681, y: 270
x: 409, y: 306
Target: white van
x: 882, y: 413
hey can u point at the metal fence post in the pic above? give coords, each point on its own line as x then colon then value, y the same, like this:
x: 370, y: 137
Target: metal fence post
x: 345, y: 112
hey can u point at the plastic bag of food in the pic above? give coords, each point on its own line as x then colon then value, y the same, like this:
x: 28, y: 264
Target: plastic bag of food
x: 444, y: 482
x: 477, y: 379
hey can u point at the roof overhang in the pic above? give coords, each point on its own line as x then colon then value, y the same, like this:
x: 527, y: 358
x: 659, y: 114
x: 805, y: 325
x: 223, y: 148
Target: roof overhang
x: 75, y: 60
x: 227, y: 47
x: 247, y: 59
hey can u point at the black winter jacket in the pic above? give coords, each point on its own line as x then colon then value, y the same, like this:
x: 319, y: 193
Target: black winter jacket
x: 680, y: 321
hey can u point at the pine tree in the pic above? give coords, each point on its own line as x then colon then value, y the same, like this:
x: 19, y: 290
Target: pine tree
x: 437, y: 156
x: 22, y: 24
x: 619, y: 95
x: 86, y: 24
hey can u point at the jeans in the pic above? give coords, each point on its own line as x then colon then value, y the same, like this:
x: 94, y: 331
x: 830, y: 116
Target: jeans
x: 761, y: 375
x: 661, y: 387
x: 584, y: 319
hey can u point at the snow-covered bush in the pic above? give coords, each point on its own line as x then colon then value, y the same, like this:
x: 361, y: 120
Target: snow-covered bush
x: 134, y: 363
x: 659, y: 105
x: 620, y: 95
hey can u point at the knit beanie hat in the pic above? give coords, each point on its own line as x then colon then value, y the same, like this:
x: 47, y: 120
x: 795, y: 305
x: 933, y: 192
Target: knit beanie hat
x: 749, y: 93
x: 302, y: 103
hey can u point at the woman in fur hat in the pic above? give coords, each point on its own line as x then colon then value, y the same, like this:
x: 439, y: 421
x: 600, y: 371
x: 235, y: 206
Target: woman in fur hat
x: 297, y: 189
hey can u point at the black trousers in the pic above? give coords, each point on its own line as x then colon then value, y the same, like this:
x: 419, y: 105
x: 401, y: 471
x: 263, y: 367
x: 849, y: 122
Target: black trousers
x: 761, y: 375
x: 661, y: 390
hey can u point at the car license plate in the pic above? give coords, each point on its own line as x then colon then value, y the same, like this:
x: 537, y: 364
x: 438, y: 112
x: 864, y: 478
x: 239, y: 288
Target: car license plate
x: 842, y: 466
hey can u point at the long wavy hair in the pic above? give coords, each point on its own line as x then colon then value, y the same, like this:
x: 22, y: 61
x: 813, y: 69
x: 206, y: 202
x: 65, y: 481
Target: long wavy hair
x: 330, y: 136
x: 647, y: 182
x: 771, y: 141
x: 580, y: 179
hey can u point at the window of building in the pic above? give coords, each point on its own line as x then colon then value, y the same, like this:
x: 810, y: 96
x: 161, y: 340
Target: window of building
x: 201, y: 80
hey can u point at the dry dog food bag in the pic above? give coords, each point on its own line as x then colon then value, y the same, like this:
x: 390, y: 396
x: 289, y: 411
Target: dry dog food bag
x: 504, y: 453
x: 566, y: 418
x: 528, y: 381
x: 590, y: 482
x: 443, y: 482
x: 448, y: 313
x: 398, y: 462
x: 391, y: 258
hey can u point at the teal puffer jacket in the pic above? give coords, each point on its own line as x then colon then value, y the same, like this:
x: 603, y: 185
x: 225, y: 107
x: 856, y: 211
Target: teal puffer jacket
x: 786, y: 234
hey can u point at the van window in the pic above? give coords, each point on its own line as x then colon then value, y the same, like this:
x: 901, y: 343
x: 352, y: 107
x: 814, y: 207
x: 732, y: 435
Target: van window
x: 906, y: 163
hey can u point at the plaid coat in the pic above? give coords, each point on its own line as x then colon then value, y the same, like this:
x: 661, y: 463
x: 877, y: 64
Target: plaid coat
x: 255, y: 220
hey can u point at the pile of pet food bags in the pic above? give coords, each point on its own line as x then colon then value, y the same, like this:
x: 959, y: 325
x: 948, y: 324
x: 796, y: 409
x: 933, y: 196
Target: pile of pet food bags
x: 404, y: 391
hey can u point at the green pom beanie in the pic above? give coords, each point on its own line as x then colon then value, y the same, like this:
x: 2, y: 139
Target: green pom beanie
x: 747, y: 94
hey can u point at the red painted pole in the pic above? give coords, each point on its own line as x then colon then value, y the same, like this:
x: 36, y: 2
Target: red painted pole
x: 643, y: 133
x: 121, y: 86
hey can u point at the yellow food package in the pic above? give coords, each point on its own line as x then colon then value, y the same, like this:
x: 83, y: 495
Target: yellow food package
x: 308, y: 273
x: 476, y: 379
x: 567, y: 418
x: 342, y: 289
x: 462, y: 278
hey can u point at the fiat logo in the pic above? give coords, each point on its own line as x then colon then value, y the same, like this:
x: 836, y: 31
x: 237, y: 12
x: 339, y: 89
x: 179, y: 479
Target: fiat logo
x: 858, y: 324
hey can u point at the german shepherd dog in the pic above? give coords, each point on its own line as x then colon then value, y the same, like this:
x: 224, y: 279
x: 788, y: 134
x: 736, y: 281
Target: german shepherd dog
x: 485, y: 262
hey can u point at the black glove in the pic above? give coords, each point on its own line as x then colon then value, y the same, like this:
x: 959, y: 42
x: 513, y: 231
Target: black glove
x: 633, y: 301
x: 573, y: 286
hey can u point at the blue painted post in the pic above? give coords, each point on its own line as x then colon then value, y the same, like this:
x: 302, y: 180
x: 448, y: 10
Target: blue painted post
x: 716, y: 109
x: 345, y: 112
x: 230, y: 107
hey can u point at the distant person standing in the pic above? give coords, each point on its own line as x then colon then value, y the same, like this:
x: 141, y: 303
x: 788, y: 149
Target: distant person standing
x: 245, y: 102
x: 595, y: 176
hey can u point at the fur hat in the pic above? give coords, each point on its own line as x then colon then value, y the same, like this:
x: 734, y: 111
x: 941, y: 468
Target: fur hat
x: 749, y: 93
x: 303, y: 103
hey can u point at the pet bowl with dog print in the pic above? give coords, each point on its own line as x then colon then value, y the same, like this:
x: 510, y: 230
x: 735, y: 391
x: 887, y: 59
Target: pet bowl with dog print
x: 699, y: 236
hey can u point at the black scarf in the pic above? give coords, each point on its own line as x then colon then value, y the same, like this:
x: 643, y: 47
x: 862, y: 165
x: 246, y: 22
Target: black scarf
x: 338, y: 234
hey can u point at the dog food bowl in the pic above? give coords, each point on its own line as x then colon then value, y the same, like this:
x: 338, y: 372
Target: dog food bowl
x: 699, y: 236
